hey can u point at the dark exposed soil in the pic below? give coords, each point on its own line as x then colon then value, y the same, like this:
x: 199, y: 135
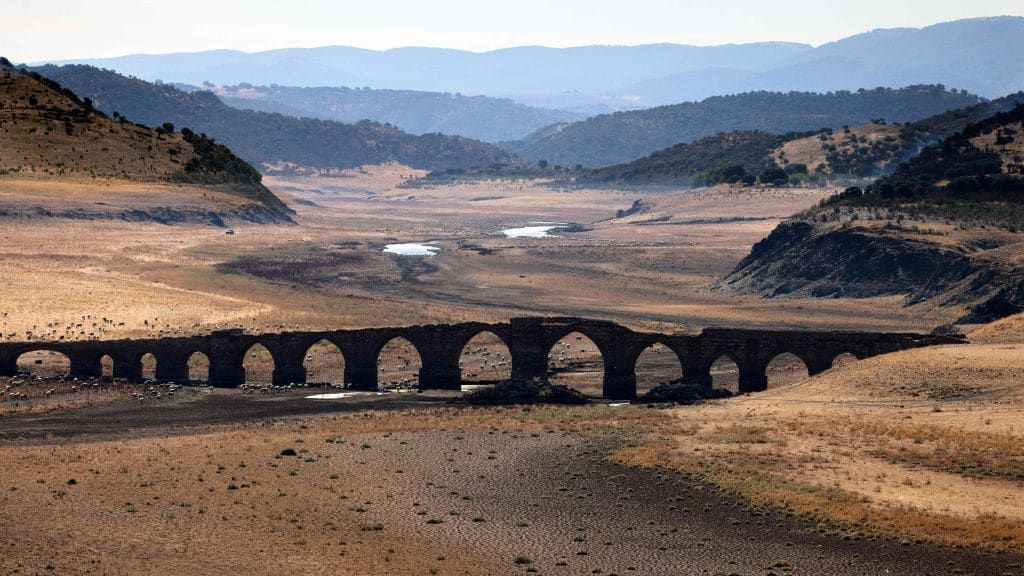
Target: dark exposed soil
x: 190, y: 413
x: 252, y: 213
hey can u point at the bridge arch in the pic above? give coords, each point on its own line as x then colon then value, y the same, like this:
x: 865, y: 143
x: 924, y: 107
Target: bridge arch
x: 844, y: 359
x: 577, y: 360
x: 398, y: 363
x: 198, y: 366
x: 107, y: 366
x: 147, y: 365
x: 724, y: 371
x: 485, y: 358
x: 324, y: 363
x: 657, y: 363
x: 258, y: 364
x: 44, y: 362
x: 786, y: 368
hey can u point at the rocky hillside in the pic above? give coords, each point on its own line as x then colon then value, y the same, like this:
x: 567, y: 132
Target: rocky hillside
x: 47, y: 131
x: 262, y: 137
x: 946, y: 227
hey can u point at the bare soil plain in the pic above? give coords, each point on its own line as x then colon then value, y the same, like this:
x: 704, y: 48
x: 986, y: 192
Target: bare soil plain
x: 650, y: 269
x: 909, y: 463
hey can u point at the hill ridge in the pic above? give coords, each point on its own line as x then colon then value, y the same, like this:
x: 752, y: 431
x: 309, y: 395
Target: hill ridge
x: 944, y: 228
x: 623, y: 136
x: 264, y: 137
x: 48, y: 131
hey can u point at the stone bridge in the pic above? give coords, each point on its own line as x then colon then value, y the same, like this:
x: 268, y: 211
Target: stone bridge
x: 529, y: 340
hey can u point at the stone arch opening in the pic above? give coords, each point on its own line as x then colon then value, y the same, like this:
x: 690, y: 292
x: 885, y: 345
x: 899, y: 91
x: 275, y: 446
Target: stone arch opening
x: 398, y: 365
x: 655, y: 365
x: 786, y: 368
x: 485, y: 359
x: 106, y: 366
x: 324, y: 364
x: 725, y: 374
x: 576, y: 361
x: 198, y: 367
x: 44, y: 363
x: 259, y: 365
x: 148, y: 363
x: 844, y: 359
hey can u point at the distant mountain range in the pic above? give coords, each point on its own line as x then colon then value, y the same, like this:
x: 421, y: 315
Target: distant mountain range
x: 623, y: 136
x: 979, y: 55
x: 480, y: 117
x: 262, y: 137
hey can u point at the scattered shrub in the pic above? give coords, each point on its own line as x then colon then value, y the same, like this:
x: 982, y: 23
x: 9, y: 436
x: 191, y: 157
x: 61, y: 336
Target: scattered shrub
x: 523, y: 392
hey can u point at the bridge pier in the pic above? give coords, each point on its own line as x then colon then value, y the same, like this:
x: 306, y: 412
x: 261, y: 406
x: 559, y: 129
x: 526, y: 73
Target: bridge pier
x: 361, y: 375
x: 817, y: 364
x: 619, y: 384
x: 753, y: 378
x: 440, y: 377
x: 127, y: 369
x: 228, y: 375
x: 168, y: 370
x: 286, y: 374
x: 528, y: 346
x: 697, y: 371
x: 8, y: 365
x: 85, y: 366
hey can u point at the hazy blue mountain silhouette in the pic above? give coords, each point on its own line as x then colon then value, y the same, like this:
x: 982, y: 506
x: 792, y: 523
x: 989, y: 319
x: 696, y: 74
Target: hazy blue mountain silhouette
x: 980, y: 55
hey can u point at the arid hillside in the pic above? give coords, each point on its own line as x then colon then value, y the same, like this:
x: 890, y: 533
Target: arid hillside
x: 945, y: 227
x: 47, y: 133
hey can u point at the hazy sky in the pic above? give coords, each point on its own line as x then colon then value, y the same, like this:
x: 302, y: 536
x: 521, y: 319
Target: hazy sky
x: 64, y: 29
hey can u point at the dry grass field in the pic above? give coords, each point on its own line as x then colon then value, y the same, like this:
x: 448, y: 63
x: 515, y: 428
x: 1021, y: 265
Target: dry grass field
x: 812, y: 151
x: 923, y: 445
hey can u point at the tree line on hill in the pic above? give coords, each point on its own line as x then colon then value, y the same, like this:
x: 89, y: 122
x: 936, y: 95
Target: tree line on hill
x: 953, y: 171
x: 621, y: 137
x: 480, y: 117
x: 744, y: 157
x: 261, y: 137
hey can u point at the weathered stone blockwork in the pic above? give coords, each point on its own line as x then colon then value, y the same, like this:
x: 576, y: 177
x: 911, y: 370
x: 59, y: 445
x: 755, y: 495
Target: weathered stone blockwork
x: 529, y: 341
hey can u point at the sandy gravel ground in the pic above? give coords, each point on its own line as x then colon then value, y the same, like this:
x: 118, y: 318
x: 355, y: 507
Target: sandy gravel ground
x: 495, y: 491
